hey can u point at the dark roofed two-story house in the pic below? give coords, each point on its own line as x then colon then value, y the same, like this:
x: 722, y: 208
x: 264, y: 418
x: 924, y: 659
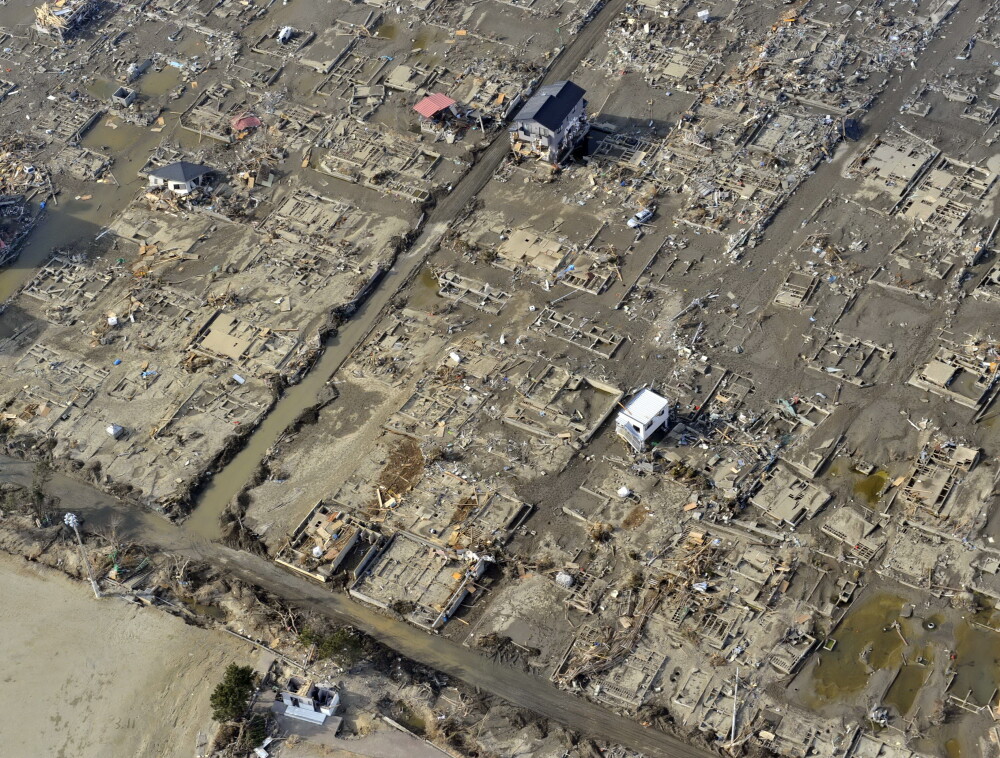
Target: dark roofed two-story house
x: 551, y: 122
x: 181, y: 177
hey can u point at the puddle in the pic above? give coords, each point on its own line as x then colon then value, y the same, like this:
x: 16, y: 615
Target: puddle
x: 423, y: 39
x: 424, y: 292
x: 189, y: 140
x: 200, y: 609
x: 413, y: 722
x: 957, y: 737
x: 159, y: 83
x: 113, y: 136
x: 387, y: 31
x: 904, y: 690
x: 860, y: 637
x: 986, y: 612
x: 977, y: 663
x: 870, y: 488
x: 839, y: 467
x: 102, y: 89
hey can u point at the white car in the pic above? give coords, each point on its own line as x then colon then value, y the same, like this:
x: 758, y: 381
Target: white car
x: 640, y: 218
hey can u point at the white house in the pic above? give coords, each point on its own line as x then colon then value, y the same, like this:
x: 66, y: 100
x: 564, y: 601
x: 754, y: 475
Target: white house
x: 304, y: 700
x: 180, y: 178
x: 642, y: 416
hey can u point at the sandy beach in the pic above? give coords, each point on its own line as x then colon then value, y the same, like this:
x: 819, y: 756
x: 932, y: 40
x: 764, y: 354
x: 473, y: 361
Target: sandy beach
x: 83, y: 677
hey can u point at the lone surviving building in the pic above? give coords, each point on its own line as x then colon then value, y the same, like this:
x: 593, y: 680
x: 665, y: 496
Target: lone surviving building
x: 645, y: 414
x: 181, y: 177
x: 551, y: 122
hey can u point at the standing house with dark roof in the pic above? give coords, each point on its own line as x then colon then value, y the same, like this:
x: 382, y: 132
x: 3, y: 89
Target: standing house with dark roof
x: 180, y: 178
x: 551, y: 122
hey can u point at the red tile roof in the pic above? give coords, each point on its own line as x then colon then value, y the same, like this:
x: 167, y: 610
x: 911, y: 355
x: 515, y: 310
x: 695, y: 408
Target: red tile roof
x: 433, y: 104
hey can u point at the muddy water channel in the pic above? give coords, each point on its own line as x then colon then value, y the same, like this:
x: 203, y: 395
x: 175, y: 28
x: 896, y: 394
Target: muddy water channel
x: 226, y: 484
x: 77, y: 220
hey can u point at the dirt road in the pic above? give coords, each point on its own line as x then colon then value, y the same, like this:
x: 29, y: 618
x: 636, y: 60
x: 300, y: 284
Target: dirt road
x: 519, y: 688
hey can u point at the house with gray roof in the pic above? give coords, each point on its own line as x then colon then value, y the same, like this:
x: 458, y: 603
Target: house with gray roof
x: 181, y: 177
x: 551, y: 122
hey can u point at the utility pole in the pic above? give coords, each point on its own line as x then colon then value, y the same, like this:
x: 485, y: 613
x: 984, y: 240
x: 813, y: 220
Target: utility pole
x: 73, y: 522
x: 736, y: 692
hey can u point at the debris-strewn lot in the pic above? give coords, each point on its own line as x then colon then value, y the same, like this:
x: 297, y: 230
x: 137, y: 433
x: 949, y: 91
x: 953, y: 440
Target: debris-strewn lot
x: 671, y: 379
x: 384, y: 703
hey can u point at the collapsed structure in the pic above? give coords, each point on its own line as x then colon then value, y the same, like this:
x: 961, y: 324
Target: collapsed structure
x: 680, y: 390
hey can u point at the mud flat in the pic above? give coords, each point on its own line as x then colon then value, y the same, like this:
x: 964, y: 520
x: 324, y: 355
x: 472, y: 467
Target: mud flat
x: 96, y: 678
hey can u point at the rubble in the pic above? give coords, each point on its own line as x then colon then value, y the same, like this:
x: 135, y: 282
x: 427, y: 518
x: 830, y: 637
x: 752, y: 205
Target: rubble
x: 656, y: 342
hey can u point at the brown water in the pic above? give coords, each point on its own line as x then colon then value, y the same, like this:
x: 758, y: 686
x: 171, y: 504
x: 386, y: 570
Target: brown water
x: 977, y: 663
x: 102, y: 89
x: 905, y: 689
x: 201, y: 609
x: 387, y: 31
x: 159, y: 83
x: 842, y: 672
x: 870, y: 488
x: 68, y: 221
x: 424, y: 293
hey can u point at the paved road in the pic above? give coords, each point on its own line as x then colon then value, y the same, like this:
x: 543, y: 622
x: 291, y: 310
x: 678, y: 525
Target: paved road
x: 517, y: 687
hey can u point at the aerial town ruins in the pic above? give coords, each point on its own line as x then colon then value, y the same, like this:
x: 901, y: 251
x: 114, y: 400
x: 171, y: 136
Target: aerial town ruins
x: 662, y: 361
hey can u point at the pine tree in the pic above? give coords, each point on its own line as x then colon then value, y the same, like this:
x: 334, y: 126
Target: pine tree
x: 232, y: 695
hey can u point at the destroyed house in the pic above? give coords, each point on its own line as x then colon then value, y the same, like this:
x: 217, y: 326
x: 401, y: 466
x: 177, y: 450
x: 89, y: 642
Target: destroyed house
x: 423, y: 581
x: 304, y: 700
x: 551, y: 122
x: 435, y: 106
x: 180, y: 178
x: 323, y: 543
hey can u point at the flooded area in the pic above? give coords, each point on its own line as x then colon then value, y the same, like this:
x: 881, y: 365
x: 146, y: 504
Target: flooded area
x: 69, y: 220
x: 158, y: 83
x: 871, y: 663
x: 538, y: 483
x: 387, y: 31
x: 906, y: 687
x: 871, y: 487
x: 424, y: 293
x: 977, y: 664
x: 866, y: 642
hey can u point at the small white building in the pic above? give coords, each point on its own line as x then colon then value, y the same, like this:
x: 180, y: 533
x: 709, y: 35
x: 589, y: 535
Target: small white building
x: 643, y: 415
x: 180, y: 178
x: 304, y: 700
